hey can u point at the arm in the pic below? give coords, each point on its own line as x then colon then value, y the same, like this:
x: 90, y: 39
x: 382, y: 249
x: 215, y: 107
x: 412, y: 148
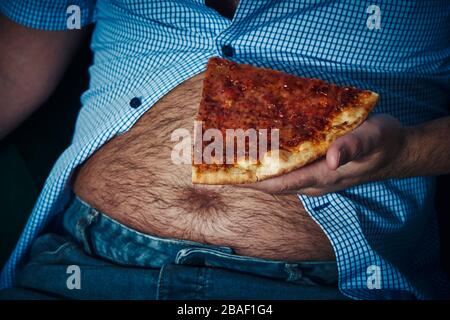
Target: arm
x: 32, y: 63
x: 378, y: 149
x: 427, y: 152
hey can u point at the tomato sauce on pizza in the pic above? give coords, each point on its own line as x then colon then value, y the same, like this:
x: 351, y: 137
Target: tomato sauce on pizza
x: 305, y: 112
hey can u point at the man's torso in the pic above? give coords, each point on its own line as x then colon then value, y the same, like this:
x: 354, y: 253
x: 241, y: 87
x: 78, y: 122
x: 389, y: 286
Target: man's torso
x: 133, y: 180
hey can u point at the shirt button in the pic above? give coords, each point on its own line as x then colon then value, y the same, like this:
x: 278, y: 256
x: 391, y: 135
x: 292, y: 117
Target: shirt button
x: 135, y: 102
x: 227, y: 50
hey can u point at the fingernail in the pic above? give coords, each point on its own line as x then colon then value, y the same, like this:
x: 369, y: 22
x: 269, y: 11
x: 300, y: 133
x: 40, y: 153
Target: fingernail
x: 342, y: 157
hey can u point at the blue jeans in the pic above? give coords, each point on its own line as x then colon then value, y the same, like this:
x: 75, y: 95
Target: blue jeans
x: 95, y: 257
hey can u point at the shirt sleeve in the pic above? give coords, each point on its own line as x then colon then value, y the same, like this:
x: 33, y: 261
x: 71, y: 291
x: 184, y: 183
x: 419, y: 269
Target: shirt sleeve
x: 50, y: 14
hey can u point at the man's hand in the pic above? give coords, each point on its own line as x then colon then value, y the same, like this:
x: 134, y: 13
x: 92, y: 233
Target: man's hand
x: 380, y: 148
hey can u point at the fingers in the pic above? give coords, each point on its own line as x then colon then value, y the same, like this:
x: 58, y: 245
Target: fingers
x: 355, y: 144
x: 292, y: 181
x: 345, y: 149
x: 286, y: 183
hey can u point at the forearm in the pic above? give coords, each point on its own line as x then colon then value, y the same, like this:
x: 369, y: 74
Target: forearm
x: 32, y: 63
x: 426, y: 149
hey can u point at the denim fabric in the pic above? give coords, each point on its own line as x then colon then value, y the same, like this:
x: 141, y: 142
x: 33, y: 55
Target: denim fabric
x: 117, y: 262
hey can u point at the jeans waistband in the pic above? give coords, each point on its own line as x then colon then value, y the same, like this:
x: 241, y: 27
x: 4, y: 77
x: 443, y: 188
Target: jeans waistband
x: 102, y: 236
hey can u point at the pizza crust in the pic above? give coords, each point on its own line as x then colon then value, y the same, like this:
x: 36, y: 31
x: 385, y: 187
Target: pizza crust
x: 350, y: 117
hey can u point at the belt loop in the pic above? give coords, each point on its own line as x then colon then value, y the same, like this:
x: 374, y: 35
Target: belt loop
x: 82, y: 229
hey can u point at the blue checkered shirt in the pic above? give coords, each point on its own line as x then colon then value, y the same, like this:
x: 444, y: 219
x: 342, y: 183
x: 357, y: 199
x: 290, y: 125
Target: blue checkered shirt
x: 384, y: 233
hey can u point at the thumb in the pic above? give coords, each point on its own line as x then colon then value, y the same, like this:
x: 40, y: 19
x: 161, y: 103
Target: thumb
x: 353, y: 145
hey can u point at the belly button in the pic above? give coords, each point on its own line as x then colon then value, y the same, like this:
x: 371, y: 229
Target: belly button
x: 200, y: 199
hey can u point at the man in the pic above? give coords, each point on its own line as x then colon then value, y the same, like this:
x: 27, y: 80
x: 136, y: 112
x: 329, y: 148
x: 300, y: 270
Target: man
x: 129, y: 224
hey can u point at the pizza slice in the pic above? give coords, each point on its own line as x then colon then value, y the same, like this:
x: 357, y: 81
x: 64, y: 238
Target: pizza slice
x: 297, y: 117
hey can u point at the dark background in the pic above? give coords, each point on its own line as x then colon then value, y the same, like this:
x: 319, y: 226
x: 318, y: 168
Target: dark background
x: 28, y: 154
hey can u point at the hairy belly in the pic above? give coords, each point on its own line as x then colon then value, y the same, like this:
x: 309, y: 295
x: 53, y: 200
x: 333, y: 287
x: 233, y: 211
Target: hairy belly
x: 133, y: 180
